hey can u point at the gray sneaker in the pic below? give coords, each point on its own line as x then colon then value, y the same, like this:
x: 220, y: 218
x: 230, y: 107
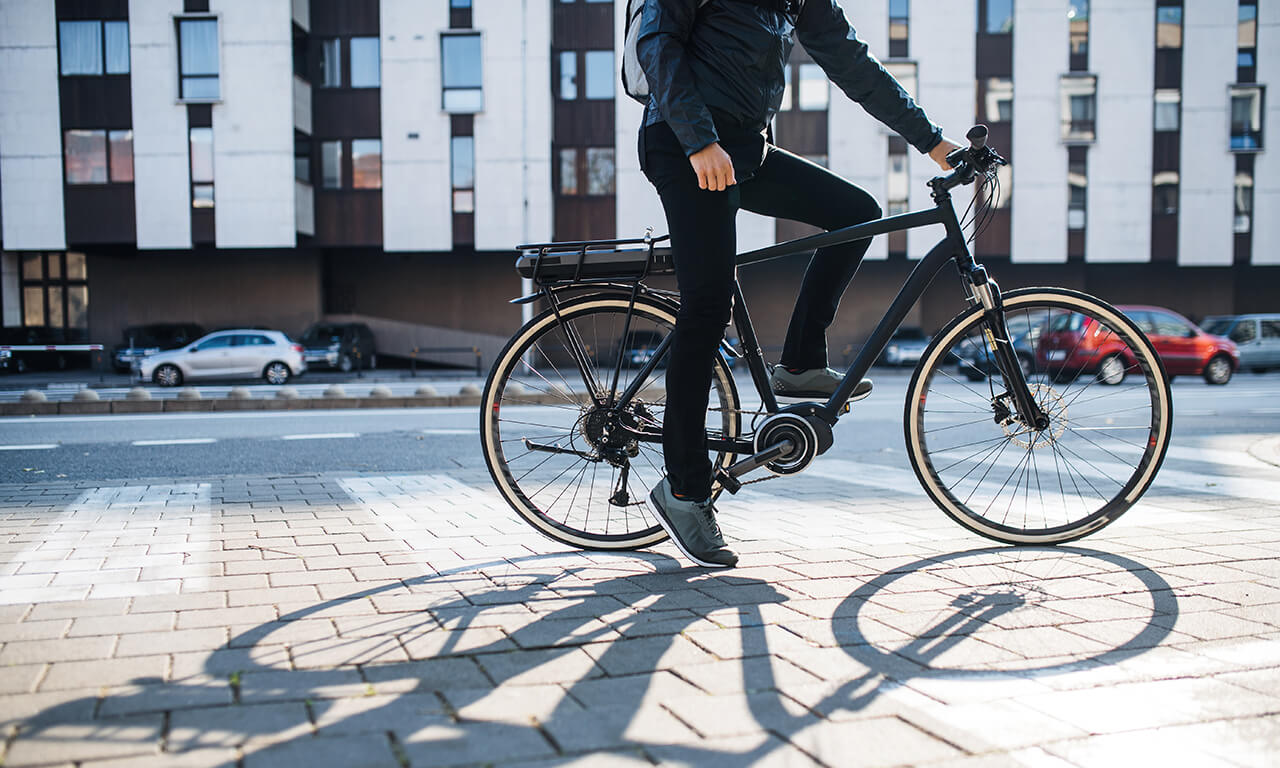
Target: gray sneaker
x: 692, y: 527
x: 814, y: 382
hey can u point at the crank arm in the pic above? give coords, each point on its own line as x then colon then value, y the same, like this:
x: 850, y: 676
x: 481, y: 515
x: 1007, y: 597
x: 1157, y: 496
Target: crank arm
x: 557, y: 449
x: 729, y: 477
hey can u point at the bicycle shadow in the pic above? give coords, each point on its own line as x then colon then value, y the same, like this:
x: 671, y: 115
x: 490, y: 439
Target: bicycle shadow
x: 483, y: 716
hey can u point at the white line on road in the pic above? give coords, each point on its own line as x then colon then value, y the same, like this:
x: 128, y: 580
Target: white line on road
x: 177, y: 441
x: 35, y: 447
x: 442, y: 431
x: 1186, y: 412
x: 322, y: 436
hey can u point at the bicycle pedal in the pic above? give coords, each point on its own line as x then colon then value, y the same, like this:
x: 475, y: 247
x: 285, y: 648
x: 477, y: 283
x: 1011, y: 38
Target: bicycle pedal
x: 728, y: 481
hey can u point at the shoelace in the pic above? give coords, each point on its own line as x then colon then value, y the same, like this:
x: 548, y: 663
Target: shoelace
x: 709, y: 513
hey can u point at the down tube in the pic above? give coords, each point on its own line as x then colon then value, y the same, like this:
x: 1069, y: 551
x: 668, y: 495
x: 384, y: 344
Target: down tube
x: 911, y: 292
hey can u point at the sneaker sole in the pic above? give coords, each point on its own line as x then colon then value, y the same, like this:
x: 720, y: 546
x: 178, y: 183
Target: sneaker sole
x: 823, y: 395
x: 671, y: 534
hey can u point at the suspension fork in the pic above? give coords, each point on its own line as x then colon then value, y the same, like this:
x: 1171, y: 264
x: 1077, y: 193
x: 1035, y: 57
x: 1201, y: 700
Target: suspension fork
x: 996, y: 332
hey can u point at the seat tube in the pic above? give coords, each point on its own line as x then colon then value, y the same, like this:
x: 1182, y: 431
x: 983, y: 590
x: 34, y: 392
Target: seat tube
x: 751, y: 350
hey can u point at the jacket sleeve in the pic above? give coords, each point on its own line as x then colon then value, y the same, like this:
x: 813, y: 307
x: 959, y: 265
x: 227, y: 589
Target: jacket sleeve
x: 825, y: 33
x: 665, y: 27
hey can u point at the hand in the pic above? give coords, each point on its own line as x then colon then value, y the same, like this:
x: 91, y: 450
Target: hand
x: 714, y: 168
x: 940, y: 152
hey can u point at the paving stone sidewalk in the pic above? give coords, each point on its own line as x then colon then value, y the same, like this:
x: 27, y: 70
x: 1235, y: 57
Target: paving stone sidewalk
x: 415, y: 621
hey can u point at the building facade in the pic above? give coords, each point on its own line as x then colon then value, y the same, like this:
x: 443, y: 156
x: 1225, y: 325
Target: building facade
x: 276, y: 162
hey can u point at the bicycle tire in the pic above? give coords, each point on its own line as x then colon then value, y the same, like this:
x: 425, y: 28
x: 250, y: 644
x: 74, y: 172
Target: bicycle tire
x: 557, y: 412
x: 1104, y: 450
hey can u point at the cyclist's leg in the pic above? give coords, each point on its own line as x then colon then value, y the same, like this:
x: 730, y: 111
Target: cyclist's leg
x: 704, y: 242
x: 789, y: 187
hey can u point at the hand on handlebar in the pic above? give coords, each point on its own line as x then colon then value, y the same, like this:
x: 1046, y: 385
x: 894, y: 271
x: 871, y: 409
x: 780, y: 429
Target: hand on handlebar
x: 940, y: 152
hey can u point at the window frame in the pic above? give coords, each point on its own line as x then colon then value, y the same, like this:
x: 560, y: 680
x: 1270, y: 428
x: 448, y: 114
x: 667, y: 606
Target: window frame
x: 46, y: 284
x: 177, y: 28
x: 103, y: 58
x: 1073, y: 87
x: 445, y: 88
x: 1259, y: 136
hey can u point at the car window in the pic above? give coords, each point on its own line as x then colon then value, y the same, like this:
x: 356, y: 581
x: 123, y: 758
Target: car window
x: 1271, y: 329
x: 1168, y: 325
x: 216, y: 342
x: 1068, y: 322
x: 253, y: 340
x: 1245, y: 331
x: 1218, y: 326
x: 1142, y: 319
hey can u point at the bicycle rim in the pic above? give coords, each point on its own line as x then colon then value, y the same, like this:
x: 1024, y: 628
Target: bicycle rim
x: 1096, y: 377
x: 556, y: 454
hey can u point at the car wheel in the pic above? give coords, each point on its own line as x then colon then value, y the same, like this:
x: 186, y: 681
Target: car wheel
x: 167, y: 376
x: 344, y: 364
x: 1218, y: 370
x: 1111, y: 370
x: 19, y: 365
x: 276, y: 373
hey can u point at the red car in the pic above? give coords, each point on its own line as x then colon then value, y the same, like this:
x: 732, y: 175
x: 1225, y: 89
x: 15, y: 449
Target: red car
x: 1075, y: 344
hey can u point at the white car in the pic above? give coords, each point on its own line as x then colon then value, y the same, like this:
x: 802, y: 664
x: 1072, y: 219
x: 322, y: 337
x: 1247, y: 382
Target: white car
x: 239, y: 353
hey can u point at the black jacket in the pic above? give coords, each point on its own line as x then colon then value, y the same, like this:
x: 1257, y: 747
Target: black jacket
x: 728, y: 56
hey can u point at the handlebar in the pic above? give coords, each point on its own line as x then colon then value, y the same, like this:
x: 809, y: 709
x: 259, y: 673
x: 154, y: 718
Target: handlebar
x: 969, y: 162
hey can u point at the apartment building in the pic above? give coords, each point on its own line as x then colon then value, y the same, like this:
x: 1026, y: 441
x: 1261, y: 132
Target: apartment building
x: 275, y: 162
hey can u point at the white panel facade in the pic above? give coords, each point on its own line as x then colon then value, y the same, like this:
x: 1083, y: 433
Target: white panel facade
x: 947, y: 94
x: 1266, y: 170
x: 1206, y: 167
x: 30, y: 127
x: 10, y: 290
x: 1040, y: 57
x: 253, y: 126
x: 638, y: 206
x: 417, y: 212
x: 1121, y: 51
x: 161, y: 168
x: 857, y: 147
x: 513, y: 133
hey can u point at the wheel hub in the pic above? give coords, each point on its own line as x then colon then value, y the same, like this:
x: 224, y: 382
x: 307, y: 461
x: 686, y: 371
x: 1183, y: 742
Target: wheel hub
x: 1054, y: 407
x: 603, y: 431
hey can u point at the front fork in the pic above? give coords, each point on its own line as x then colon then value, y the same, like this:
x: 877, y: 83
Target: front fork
x: 997, y: 338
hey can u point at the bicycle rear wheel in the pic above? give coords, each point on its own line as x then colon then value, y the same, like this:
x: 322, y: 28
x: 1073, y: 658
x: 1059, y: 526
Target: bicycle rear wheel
x: 1093, y: 373
x: 568, y: 463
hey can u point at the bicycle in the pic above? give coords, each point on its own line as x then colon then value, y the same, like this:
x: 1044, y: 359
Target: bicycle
x: 1036, y: 456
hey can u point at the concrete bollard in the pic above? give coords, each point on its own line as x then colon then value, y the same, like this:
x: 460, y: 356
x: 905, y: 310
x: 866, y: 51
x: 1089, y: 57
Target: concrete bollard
x: 380, y: 391
x: 335, y: 390
x: 86, y: 396
x: 426, y: 390
x: 287, y: 393
x: 34, y: 396
x: 138, y: 394
x: 469, y: 390
x: 189, y: 393
x: 240, y: 393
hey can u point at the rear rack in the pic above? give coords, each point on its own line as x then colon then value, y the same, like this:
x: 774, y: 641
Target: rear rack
x: 593, y: 261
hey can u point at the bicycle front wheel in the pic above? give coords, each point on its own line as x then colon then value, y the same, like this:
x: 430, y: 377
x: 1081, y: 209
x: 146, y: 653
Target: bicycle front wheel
x: 567, y: 462
x: 1096, y: 377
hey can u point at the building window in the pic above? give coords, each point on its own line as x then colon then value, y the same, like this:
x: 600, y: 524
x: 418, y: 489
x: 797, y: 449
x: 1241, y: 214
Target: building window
x: 568, y: 90
x: 569, y: 171
x: 302, y: 158
x: 1247, y: 41
x: 1169, y: 27
x: 1164, y: 197
x: 54, y: 291
x: 201, y: 167
x: 1168, y: 109
x: 331, y: 165
x: 1078, y: 185
x: 198, y: 59
x: 1078, y: 26
x: 462, y: 73
x: 331, y: 63
x: 1243, y: 203
x: 899, y: 27
x: 366, y: 64
x: 366, y: 163
x: 1246, y: 118
x: 898, y: 183
x: 93, y: 47
x: 998, y: 100
x: 97, y: 157
x: 995, y: 16
x: 1079, y: 116
x: 600, y: 74
x: 814, y: 92
x: 600, y: 171
x: 463, y: 173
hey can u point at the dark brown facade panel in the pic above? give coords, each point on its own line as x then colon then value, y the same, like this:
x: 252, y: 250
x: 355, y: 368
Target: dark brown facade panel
x: 347, y: 112
x: 1242, y: 249
x: 348, y: 217
x: 96, y: 102
x: 995, y: 239
x: 586, y: 218
x: 582, y: 25
x: 802, y: 132
x: 994, y: 56
x: 70, y: 10
x: 1165, y: 151
x: 332, y: 18
x: 200, y: 115
x: 1164, y: 237
x: 464, y: 230
x: 195, y: 6
x: 462, y: 125
x: 585, y: 122
x: 1075, y: 245
x: 100, y: 213
x: 459, y: 18
x: 1168, y: 67
x: 203, y: 226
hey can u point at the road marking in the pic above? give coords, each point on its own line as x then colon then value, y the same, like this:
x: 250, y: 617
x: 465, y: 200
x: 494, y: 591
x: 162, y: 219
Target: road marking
x: 451, y: 431
x: 34, y: 447
x: 322, y: 436
x: 1266, y: 410
x: 177, y: 441
x: 1185, y: 412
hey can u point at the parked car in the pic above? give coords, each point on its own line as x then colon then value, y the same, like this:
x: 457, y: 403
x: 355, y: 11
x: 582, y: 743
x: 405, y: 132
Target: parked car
x: 977, y: 363
x: 143, y: 340
x: 1071, y: 346
x: 239, y: 353
x: 906, y: 346
x: 344, y: 346
x: 1257, y: 338
x: 21, y: 361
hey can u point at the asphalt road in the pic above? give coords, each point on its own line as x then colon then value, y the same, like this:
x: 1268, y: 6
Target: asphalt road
x: 1215, y: 422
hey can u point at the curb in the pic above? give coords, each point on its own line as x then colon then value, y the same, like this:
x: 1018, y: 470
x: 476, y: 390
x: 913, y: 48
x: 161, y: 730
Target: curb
x: 108, y: 407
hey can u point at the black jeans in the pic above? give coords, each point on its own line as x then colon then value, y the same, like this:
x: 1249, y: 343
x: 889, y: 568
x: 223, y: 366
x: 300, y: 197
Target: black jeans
x: 773, y: 182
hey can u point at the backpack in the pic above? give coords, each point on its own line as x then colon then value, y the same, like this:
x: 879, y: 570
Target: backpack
x: 634, y: 82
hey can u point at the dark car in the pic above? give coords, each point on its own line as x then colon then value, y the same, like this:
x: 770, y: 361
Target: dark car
x: 345, y: 346
x: 44, y: 359
x: 976, y: 362
x: 1257, y: 338
x: 143, y: 340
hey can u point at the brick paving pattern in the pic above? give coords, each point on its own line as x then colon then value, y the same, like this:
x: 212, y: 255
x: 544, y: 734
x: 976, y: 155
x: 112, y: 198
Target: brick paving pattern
x: 415, y: 621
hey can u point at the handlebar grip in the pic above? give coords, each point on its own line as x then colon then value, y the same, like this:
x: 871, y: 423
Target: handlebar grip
x: 977, y: 137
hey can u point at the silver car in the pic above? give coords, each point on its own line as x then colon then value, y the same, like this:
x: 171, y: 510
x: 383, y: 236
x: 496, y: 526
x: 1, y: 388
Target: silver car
x: 247, y: 353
